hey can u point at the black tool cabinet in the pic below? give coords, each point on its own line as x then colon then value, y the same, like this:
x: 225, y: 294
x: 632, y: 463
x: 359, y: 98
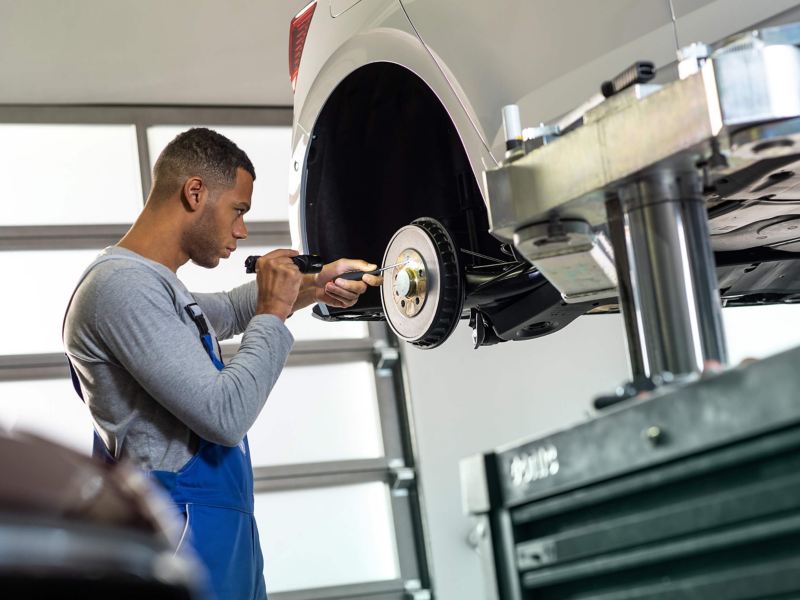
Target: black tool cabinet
x: 691, y: 493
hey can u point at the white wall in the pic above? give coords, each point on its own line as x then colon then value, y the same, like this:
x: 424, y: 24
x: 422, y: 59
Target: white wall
x: 468, y: 401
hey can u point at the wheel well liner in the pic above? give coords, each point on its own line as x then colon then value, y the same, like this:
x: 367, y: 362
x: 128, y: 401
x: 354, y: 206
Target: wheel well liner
x: 383, y: 152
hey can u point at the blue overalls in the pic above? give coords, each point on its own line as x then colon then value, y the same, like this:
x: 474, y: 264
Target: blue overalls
x: 214, y: 492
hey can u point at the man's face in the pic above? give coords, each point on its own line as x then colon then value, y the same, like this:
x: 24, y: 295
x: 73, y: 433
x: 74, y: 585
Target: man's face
x: 220, y: 224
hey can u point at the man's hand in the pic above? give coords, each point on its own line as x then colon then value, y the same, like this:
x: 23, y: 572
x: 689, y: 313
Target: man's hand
x: 278, y: 280
x: 328, y: 288
x: 343, y: 293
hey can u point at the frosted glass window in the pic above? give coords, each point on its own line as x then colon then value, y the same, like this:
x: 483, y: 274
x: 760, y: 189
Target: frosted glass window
x: 760, y: 331
x: 69, y: 174
x: 328, y: 536
x: 319, y: 413
x: 304, y: 326
x: 48, y: 408
x: 230, y: 274
x: 269, y: 149
x: 38, y: 286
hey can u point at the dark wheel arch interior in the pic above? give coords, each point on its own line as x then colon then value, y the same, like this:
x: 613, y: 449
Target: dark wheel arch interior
x: 384, y: 152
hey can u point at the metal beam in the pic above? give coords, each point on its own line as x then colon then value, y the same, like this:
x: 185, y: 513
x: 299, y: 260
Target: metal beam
x: 377, y: 590
x: 30, y: 367
x: 53, y: 365
x: 143, y: 148
x: 95, y: 237
x: 146, y: 115
x: 322, y: 474
x: 60, y: 237
x: 320, y: 352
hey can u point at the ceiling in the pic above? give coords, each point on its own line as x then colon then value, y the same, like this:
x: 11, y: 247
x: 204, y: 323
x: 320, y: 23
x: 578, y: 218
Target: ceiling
x: 196, y: 52
x: 179, y: 52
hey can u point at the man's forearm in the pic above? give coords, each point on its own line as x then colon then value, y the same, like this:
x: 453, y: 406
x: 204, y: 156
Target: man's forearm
x: 307, y: 295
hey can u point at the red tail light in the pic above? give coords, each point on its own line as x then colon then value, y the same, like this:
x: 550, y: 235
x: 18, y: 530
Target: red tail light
x: 298, y: 30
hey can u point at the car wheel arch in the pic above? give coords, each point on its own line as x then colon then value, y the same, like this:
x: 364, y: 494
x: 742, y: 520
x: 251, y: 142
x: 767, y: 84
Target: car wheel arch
x: 385, y: 150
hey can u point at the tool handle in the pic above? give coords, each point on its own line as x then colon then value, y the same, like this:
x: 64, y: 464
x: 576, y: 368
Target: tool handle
x: 639, y: 72
x: 357, y: 275
x: 250, y: 264
x: 306, y: 263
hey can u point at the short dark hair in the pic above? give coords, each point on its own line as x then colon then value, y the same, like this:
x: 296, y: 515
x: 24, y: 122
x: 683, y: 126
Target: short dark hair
x: 199, y: 152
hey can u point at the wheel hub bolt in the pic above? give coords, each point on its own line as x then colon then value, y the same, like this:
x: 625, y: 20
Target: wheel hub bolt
x: 406, y: 283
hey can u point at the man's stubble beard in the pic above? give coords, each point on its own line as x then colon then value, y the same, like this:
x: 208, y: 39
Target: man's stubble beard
x: 201, y: 241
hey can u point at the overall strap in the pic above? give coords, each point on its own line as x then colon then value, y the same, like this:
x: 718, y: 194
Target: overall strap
x: 196, y: 314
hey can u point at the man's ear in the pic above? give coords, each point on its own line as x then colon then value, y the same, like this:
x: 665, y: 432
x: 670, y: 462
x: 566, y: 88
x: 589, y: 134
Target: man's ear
x: 194, y: 193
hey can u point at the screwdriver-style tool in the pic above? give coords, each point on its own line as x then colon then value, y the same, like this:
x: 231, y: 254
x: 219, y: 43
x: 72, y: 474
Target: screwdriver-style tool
x: 306, y: 263
x: 357, y: 275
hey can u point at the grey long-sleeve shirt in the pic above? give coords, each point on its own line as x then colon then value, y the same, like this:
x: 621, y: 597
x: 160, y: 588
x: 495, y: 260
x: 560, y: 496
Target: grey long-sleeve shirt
x: 147, y: 379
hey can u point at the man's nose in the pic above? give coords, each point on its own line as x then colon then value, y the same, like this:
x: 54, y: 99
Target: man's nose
x: 240, y: 230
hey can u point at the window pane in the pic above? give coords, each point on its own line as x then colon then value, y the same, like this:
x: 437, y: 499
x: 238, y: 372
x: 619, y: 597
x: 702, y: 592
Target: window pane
x: 327, y: 536
x: 49, y: 408
x: 320, y: 413
x: 304, y: 326
x: 230, y: 273
x: 69, y: 174
x: 269, y: 149
x: 43, y: 282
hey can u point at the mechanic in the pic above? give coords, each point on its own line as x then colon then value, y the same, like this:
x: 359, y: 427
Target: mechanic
x: 146, y: 361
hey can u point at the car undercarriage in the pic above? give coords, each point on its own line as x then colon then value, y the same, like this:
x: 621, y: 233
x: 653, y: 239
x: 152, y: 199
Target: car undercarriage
x: 385, y: 155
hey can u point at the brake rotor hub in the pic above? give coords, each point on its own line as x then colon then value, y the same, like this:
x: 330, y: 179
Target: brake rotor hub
x: 410, y: 283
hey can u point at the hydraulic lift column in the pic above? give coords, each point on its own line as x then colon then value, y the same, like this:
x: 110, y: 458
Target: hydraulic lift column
x: 668, y: 289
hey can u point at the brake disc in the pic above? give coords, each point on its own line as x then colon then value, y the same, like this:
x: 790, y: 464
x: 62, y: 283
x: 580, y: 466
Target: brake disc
x: 423, y: 296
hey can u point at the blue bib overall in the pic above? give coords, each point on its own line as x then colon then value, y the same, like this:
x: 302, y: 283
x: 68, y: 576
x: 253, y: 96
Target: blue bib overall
x: 214, y: 492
